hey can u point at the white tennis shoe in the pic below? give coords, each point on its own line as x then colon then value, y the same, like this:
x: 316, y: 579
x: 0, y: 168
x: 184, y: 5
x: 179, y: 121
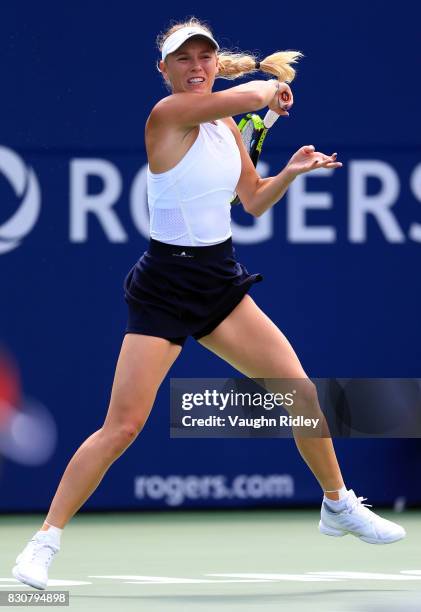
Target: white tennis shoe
x: 361, y: 522
x: 33, y: 562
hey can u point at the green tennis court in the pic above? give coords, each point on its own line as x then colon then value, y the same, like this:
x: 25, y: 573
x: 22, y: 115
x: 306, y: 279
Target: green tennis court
x: 257, y: 560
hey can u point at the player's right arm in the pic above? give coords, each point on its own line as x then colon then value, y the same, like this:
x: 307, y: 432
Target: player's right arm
x: 186, y: 110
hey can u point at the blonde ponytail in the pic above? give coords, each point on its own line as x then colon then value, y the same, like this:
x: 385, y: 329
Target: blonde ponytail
x: 279, y: 64
x: 234, y: 65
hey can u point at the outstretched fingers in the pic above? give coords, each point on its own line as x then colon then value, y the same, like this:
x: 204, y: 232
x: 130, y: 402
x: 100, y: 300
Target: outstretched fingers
x: 326, y: 161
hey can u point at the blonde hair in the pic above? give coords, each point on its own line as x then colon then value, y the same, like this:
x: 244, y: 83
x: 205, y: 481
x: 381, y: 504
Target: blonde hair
x: 234, y: 65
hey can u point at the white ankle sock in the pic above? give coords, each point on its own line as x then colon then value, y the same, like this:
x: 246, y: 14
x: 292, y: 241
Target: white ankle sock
x: 343, y: 492
x: 337, y: 504
x: 54, y: 532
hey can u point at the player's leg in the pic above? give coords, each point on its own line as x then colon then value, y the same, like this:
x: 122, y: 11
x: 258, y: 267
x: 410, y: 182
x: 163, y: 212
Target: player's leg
x: 251, y: 343
x: 265, y: 352
x: 142, y: 365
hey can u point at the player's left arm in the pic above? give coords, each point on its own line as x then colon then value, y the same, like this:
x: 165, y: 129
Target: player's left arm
x: 258, y: 194
x: 272, y: 189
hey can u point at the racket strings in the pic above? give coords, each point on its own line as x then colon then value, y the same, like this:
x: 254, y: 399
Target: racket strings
x: 248, y: 135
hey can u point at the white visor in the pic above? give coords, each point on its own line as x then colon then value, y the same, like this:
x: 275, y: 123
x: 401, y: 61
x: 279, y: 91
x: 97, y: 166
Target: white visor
x: 180, y: 36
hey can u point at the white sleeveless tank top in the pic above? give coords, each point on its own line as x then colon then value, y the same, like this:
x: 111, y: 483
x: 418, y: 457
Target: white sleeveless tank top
x: 189, y: 205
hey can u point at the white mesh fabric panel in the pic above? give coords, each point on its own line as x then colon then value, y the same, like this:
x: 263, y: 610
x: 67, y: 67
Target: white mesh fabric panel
x: 168, y: 224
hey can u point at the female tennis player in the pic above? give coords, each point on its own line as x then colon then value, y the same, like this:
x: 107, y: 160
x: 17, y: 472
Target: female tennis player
x: 188, y: 282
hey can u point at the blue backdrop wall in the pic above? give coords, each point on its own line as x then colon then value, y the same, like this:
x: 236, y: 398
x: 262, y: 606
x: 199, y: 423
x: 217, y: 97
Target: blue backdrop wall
x: 339, y: 253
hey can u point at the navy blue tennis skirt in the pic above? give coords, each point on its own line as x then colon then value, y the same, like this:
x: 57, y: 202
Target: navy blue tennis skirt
x: 174, y: 291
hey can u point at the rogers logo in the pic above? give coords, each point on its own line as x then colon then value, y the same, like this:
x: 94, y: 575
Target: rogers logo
x: 26, y: 187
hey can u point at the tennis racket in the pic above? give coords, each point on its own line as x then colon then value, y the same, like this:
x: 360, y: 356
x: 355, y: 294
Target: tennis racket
x: 253, y: 133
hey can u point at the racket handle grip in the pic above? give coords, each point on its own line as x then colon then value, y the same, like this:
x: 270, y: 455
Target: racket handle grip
x: 270, y: 118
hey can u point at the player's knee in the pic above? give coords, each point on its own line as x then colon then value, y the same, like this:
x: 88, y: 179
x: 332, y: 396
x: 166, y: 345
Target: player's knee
x: 129, y: 431
x: 305, y: 401
x: 119, y: 437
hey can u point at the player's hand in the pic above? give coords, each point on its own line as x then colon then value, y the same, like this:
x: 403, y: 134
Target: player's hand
x: 282, y: 100
x: 307, y: 159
